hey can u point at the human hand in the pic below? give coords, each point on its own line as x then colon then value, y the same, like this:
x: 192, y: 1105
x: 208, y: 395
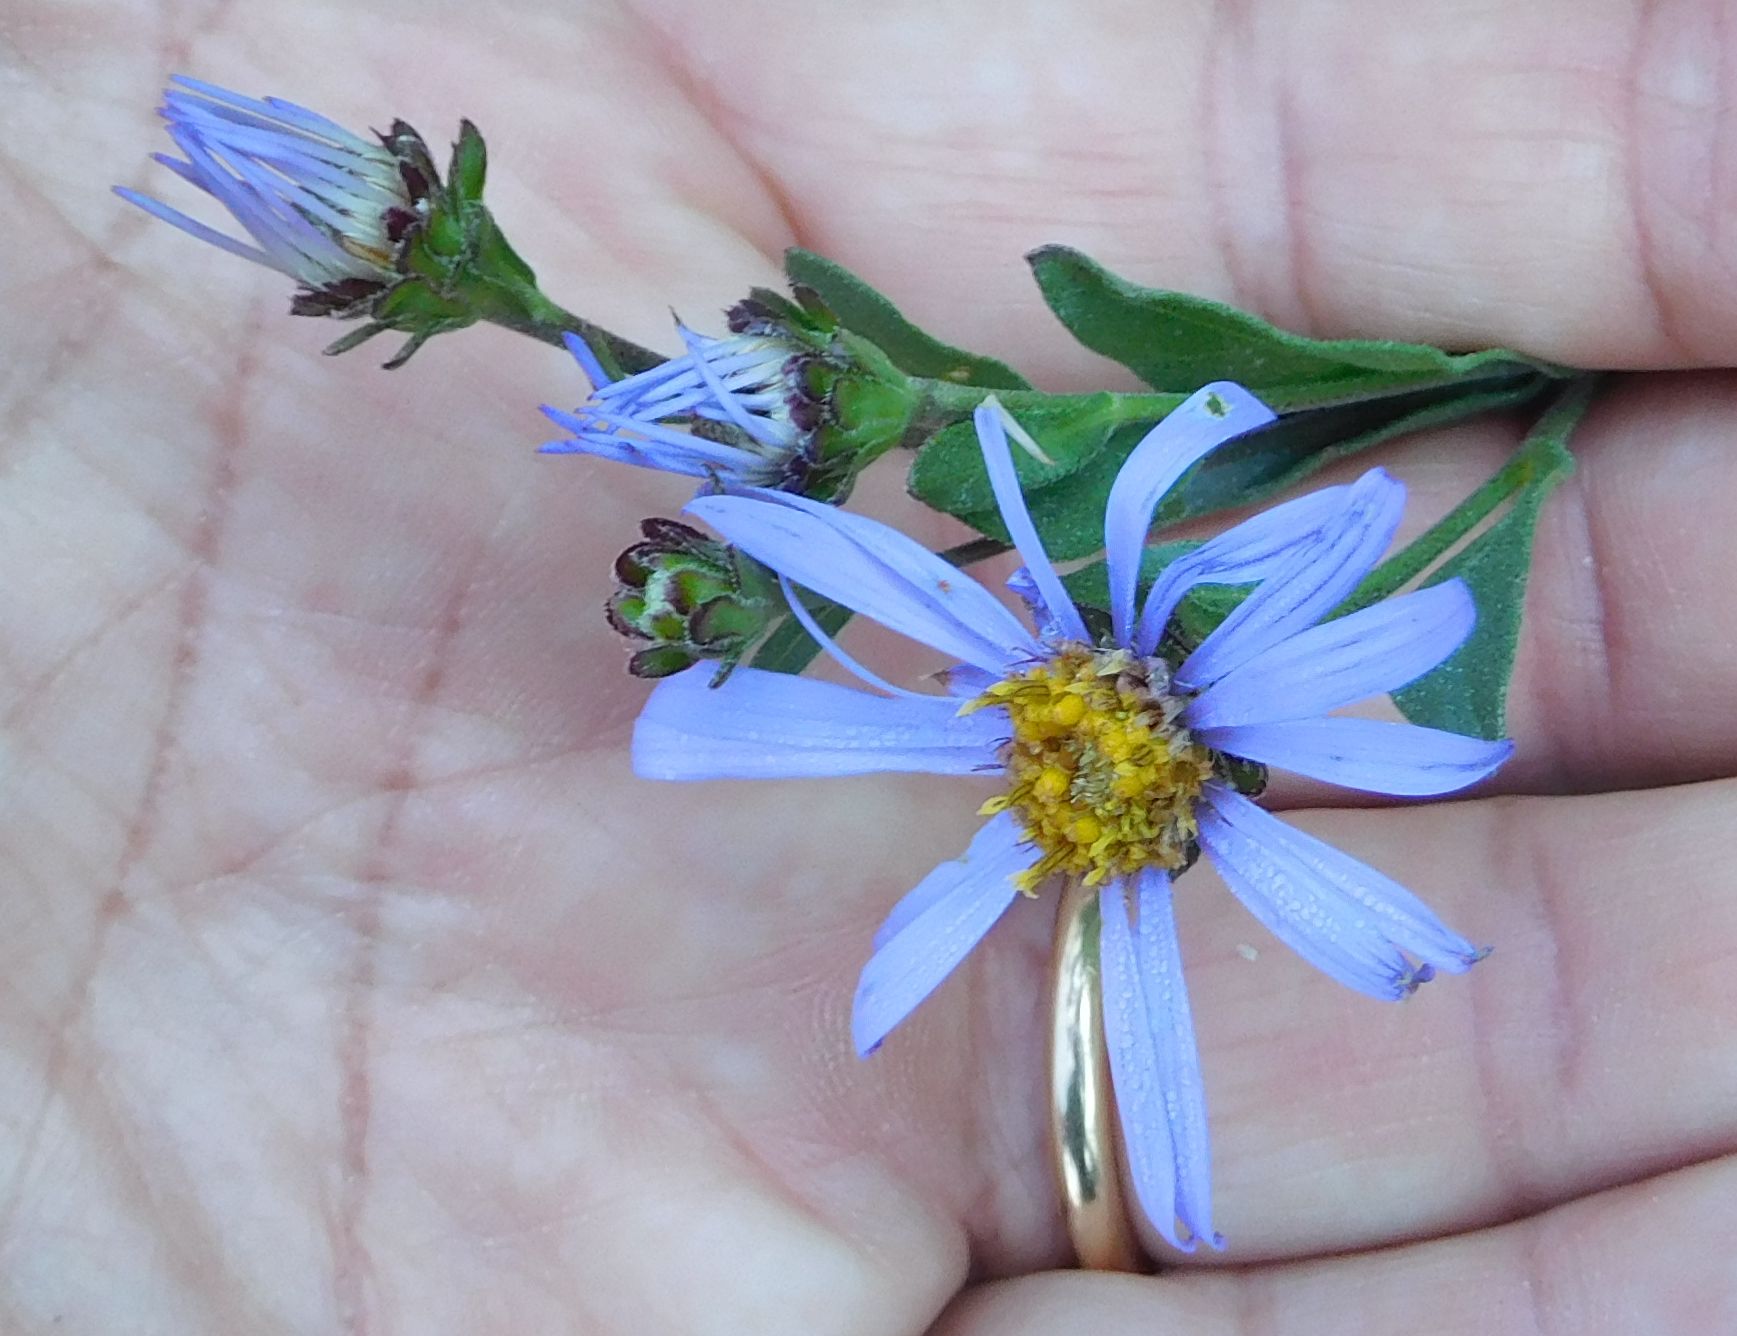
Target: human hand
x: 355, y: 983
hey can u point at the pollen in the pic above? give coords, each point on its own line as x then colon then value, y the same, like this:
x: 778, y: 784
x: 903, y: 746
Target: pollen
x: 1101, y: 772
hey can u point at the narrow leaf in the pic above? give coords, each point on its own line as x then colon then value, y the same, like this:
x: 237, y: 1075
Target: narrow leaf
x: 789, y: 648
x: 864, y: 311
x: 1178, y: 342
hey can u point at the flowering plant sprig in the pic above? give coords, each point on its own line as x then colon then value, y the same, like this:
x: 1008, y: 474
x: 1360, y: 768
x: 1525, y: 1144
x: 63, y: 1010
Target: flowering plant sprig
x: 1133, y: 726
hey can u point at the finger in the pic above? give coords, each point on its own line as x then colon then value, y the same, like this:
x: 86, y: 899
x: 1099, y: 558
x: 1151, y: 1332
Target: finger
x: 1556, y: 177
x: 1582, y: 1268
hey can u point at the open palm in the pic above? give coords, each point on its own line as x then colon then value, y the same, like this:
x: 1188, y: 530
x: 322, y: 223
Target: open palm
x: 354, y: 984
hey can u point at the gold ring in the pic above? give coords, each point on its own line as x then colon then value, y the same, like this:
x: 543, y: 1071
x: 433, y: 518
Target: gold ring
x: 1082, y: 1108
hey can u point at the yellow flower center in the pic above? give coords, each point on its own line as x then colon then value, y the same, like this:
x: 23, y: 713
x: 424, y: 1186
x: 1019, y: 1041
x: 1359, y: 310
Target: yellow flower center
x: 1101, y: 771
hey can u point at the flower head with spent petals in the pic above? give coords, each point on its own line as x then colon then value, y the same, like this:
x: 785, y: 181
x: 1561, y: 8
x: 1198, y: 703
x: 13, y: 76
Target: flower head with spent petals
x: 1120, y: 765
x: 787, y: 401
x: 323, y: 206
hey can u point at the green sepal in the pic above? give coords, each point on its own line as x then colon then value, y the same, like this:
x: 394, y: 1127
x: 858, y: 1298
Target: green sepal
x: 455, y: 268
x: 864, y: 311
x: 660, y: 661
x: 468, y: 167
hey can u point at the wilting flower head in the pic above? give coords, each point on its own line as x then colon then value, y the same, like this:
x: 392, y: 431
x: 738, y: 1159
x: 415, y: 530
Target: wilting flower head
x: 323, y: 206
x: 787, y: 402
x: 739, y: 381
x: 1119, y: 765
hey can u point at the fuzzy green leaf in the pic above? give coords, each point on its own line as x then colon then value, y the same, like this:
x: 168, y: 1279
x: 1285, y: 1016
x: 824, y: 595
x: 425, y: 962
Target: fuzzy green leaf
x: 864, y: 311
x: 1178, y: 342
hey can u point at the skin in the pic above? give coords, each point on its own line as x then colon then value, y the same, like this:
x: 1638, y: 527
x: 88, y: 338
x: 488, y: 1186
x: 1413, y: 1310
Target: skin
x: 352, y: 983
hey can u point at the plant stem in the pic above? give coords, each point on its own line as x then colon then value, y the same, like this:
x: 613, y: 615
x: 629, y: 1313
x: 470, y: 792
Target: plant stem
x: 971, y: 552
x: 528, y: 311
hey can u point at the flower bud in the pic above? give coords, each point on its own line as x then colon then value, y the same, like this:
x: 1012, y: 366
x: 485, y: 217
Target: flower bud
x: 692, y: 597
x: 367, y: 230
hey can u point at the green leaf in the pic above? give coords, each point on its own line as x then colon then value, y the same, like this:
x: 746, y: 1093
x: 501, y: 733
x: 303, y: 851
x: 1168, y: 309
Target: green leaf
x: 864, y: 311
x: 1178, y: 342
x: 790, y: 649
x: 1469, y: 693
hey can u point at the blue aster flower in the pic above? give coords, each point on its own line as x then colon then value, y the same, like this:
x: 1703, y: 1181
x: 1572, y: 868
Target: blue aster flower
x: 742, y: 381
x: 321, y: 205
x: 1119, y: 765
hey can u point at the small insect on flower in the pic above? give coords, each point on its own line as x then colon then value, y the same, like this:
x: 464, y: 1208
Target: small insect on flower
x: 1121, y: 764
x: 322, y: 205
x: 786, y: 401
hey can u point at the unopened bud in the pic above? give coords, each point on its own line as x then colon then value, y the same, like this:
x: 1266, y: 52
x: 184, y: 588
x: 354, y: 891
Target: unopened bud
x: 691, y: 597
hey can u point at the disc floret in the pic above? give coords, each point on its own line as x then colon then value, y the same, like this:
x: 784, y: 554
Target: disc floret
x: 1102, y: 773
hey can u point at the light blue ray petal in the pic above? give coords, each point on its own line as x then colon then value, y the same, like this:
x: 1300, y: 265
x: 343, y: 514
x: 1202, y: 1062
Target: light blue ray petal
x: 1338, y: 913
x: 1208, y: 418
x: 1315, y: 581
x: 271, y: 109
x: 997, y: 840
x: 1404, y: 760
x: 1374, y: 650
x: 588, y: 363
x: 1136, y: 1069
x: 654, y: 447
x: 192, y: 227
x: 915, y: 960
x: 761, y: 725
x: 1254, y: 550
x: 1158, y: 955
x: 1048, y: 627
x: 873, y: 569
x: 998, y: 462
x: 837, y: 652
